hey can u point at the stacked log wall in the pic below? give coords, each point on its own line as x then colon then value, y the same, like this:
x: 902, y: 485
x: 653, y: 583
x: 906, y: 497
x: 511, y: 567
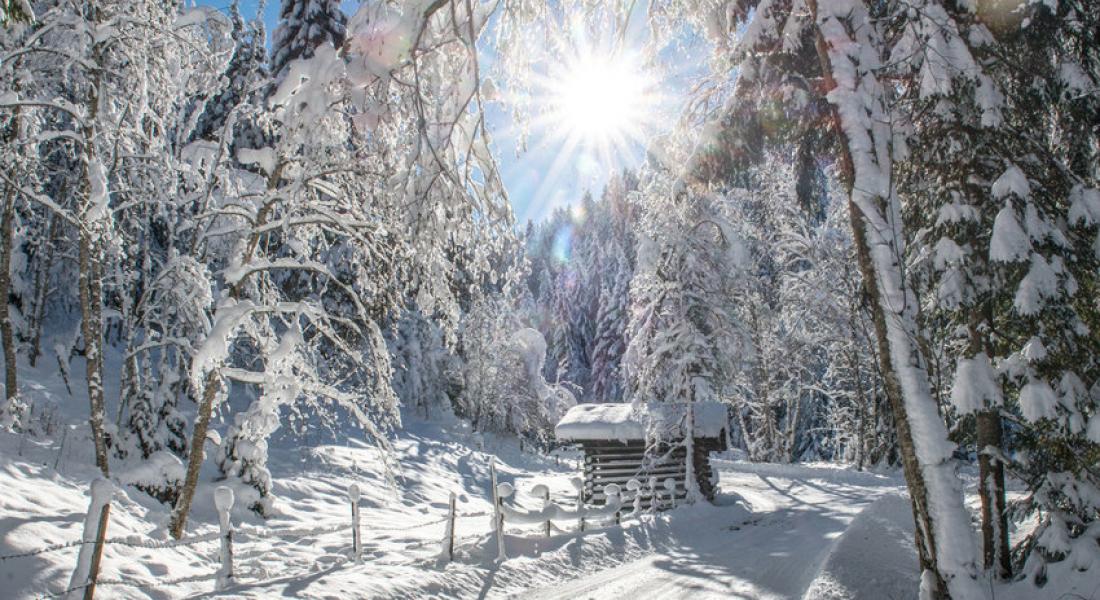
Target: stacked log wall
x: 617, y: 462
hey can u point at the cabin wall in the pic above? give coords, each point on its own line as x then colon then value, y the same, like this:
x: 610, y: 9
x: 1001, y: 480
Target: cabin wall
x: 608, y: 462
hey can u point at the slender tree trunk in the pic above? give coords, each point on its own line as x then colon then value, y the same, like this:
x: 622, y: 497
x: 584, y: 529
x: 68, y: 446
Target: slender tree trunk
x: 89, y: 280
x: 195, y: 458
x: 11, y: 383
x: 213, y: 379
x: 861, y: 396
x: 89, y: 284
x: 763, y: 391
x: 41, y: 289
x: 749, y: 444
x: 914, y: 476
x: 7, y: 337
x: 92, y: 330
x: 794, y: 410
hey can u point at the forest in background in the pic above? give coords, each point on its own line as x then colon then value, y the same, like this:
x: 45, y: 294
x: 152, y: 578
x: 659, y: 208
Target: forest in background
x: 877, y: 243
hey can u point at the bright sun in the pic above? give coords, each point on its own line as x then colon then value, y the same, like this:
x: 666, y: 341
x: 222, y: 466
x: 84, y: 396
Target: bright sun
x: 601, y: 100
x: 597, y: 105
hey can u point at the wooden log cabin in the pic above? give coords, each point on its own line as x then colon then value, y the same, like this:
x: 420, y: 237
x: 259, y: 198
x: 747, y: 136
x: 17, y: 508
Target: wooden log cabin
x: 640, y: 441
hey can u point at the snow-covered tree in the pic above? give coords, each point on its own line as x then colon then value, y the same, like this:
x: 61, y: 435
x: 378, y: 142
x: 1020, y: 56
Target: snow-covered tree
x: 244, y: 74
x: 1005, y: 263
x: 358, y: 190
x: 609, y: 341
x: 581, y: 264
x: 505, y: 389
x: 847, y: 46
x: 422, y: 363
x: 685, y: 342
x: 807, y: 389
x: 305, y: 26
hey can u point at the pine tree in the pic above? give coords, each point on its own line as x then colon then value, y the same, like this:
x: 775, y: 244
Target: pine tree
x: 304, y: 25
x: 243, y: 75
x: 610, y: 340
x: 684, y: 340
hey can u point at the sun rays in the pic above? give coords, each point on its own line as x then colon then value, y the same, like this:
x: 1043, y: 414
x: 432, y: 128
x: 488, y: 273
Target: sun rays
x: 591, y: 104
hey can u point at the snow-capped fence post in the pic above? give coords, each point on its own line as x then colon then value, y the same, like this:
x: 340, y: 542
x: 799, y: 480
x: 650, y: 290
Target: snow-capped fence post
x: 223, y: 501
x: 612, y: 495
x: 543, y: 492
x: 356, y: 540
x: 670, y: 485
x: 504, y: 490
x: 578, y: 484
x: 449, y: 534
x: 91, y: 551
x: 498, y: 516
x: 635, y: 487
x: 653, y: 498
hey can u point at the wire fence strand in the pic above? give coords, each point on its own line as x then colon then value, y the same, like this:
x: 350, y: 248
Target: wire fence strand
x: 133, y: 541
x: 43, y: 550
x: 406, y: 527
x: 64, y: 592
x: 262, y: 532
x: 157, y: 584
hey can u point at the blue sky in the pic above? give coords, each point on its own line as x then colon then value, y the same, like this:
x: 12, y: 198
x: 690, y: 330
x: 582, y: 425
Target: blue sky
x: 552, y: 173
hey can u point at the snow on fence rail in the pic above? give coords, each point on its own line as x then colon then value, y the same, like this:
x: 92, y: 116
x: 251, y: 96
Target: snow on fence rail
x: 85, y: 576
x: 612, y: 509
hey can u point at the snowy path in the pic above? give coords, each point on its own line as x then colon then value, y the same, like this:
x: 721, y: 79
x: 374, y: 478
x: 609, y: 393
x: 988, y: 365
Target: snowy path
x: 799, y: 513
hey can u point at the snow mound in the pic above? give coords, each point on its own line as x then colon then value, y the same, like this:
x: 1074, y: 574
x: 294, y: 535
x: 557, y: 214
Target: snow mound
x: 873, y: 558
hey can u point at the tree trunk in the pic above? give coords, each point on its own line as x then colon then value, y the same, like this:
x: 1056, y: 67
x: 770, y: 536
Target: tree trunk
x: 914, y: 476
x: 941, y: 522
x: 861, y: 407
x: 991, y: 471
x: 794, y: 410
x: 195, y: 458
x: 7, y: 337
x: 41, y: 290
x: 213, y: 380
x: 11, y: 384
x: 991, y: 488
x: 89, y: 280
x: 92, y: 329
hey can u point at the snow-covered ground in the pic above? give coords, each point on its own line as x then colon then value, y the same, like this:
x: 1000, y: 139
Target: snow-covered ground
x: 798, y: 517
x: 778, y: 531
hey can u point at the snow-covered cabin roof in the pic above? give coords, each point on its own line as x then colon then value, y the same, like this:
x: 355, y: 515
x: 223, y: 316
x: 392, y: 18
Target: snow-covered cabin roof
x: 623, y: 422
